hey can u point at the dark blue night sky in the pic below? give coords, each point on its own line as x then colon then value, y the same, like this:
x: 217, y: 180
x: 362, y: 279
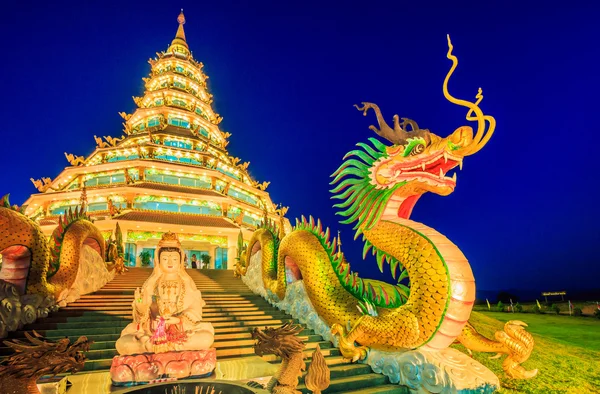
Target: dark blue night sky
x: 285, y: 75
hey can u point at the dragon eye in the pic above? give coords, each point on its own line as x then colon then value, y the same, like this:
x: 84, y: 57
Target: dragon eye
x: 417, y: 149
x: 414, y: 146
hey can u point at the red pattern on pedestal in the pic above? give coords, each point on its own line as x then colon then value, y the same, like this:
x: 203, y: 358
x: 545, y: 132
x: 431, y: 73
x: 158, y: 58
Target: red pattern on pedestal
x: 143, y: 368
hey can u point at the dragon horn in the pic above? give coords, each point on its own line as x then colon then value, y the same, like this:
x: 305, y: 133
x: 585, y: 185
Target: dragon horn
x: 396, y: 136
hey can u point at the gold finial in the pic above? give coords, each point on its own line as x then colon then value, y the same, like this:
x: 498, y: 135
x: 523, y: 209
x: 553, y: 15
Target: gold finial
x: 179, y: 44
x: 180, y: 36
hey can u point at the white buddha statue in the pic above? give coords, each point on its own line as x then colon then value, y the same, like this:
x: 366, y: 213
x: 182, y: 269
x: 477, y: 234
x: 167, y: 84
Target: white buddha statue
x: 167, y: 312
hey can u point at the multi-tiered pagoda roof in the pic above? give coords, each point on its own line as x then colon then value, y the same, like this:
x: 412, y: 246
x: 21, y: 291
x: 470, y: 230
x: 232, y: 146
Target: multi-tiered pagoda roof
x: 169, y: 171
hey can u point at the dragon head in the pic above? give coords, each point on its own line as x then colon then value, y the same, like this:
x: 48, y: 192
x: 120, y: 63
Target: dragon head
x: 44, y: 357
x: 418, y: 159
x: 281, y: 341
x: 390, y: 179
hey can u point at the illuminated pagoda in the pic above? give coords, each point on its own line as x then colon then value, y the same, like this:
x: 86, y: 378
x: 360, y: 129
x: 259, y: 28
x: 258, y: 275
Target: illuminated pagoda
x: 170, y: 172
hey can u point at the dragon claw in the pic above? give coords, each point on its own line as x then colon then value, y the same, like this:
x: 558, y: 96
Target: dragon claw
x: 516, y: 323
x: 347, y: 346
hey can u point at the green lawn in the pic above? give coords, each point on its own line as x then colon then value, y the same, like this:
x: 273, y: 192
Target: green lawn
x: 566, y: 352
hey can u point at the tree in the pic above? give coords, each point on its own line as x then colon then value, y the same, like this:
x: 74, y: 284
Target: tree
x: 145, y: 257
x: 119, y: 240
x: 500, y: 306
x: 505, y: 297
x: 205, y: 260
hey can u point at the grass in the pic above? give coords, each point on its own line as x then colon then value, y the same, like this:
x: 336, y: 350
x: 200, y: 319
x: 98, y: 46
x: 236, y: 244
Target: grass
x: 566, y: 352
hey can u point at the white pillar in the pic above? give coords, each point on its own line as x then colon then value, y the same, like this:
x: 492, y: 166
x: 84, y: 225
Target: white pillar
x: 231, y: 251
x: 213, y: 256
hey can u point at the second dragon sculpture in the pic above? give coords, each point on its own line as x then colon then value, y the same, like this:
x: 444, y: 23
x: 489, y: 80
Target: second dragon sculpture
x: 377, y: 187
x: 36, y: 265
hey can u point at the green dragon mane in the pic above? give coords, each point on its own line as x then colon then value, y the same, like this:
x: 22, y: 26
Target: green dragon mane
x: 363, y: 202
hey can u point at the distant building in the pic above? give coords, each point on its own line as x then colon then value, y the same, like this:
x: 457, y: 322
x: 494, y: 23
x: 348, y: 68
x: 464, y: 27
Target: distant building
x: 170, y: 172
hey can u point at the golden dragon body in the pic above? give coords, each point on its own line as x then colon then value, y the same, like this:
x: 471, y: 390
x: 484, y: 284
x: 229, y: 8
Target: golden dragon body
x: 378, y: 186
x: 36, y: 265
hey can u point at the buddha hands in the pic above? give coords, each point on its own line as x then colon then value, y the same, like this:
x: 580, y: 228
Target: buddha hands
x: 144, y: 307
x: 169, y: 319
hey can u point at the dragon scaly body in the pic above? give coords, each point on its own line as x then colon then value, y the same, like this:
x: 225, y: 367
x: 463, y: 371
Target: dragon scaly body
x: 40, y: 266
x: 378, y: 186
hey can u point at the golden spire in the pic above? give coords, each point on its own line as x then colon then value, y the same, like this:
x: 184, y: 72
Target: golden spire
x: 180, y: 36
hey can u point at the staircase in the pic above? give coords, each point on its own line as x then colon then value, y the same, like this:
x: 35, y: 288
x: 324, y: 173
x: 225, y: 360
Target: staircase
x: 230, y: 306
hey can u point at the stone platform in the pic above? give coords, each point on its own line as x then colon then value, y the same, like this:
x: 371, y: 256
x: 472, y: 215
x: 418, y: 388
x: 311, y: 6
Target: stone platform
x: 150, y: 367
x: 444, y: 371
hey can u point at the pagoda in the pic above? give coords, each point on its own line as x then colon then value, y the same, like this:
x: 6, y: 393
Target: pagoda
x: 170, y: 171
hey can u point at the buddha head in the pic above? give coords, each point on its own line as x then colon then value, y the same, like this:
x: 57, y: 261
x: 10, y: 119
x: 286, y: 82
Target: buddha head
x: 169, y: 260
x: 168, y: 256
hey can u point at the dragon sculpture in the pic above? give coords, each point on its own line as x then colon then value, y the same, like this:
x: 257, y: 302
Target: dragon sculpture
x: 260, y: 186
x: 75, y: 160
x: 112, y: 141
x: 283, y: 342
x: 20, y: 371
x: 100, y: 143
x: 378, y: 186
x: 43, y: 184
x: 36, y: 265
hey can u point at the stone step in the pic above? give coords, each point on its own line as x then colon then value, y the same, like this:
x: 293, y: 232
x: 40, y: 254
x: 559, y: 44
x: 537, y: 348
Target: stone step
x: 212, y: 318
x: 220, y: 344
x: 234, y: 336
x: 330, y: 360
x: 344, y: 384
x: 385, y: 389
x: 90, y: 315
x: 251, y: 321
x: 93, y: 315
x: 106, y: 350
x: 76, y: 333
x: 127, y: 305
x: 208, y: 298
x: 343, y: 370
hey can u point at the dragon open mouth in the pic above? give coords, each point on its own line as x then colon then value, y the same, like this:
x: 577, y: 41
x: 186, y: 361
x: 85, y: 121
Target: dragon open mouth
x: 432, y: 170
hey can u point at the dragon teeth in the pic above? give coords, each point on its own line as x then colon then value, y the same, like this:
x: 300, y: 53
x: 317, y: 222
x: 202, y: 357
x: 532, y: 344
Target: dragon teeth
x: 441, y: 173
x: 460, y: 164
x: 423, y: 166
x: 445, y: 157
x: 454, y: 177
